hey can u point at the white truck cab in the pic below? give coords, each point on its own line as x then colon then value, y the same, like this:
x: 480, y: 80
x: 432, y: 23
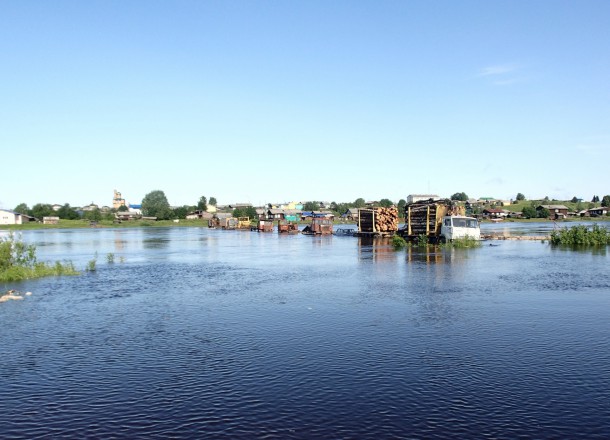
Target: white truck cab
x: 455, y: 227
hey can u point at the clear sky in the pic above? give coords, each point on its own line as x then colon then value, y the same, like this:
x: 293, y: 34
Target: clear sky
x: 273, y: 101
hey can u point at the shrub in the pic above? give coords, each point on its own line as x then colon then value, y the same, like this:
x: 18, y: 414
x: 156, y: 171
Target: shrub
x: 581, y: 235
x: 398, y: 242
x: 18, y: 262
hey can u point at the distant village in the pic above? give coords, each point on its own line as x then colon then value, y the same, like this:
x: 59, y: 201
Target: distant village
x: 485, y: 208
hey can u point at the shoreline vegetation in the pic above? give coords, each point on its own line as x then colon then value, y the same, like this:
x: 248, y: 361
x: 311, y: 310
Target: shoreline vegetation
x: 18, y: 262
x: 108, y: 224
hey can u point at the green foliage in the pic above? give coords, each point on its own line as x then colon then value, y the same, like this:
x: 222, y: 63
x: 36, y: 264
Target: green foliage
x: 461, y: 196
x: 606, y: 201
x: 213, y: 201
x: 520, y: 197
x: 529, y: 212
x: 202, y: 204
x: 422, y: 240
x: 18, y: 262
x: 41, y: 210
x: 574, y: 199
x: 249, y: 212
x: 155, y: 204
x: 123, y: 208
x: 110, y: 258
x: 543, y: 213
x: 386, y: 203
x: 66, y: 212
x: 595, y: 199
x: 401, y: 207
x: 465, y: 242
x: 95, y: 215
x: 359, y: 203
x: 180, y: 212
x: 398, y: 242
x: 92, y: 264
x: 311, y: 206
x: 22, y: 208
x: 581, y: 235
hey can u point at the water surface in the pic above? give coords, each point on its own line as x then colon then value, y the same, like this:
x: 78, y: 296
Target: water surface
x: 201, y: 333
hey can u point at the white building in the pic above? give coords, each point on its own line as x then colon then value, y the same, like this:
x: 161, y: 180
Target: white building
x: 12, y: 218
x: 412, y: 198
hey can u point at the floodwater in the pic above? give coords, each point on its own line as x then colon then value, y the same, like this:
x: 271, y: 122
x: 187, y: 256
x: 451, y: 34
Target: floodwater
x: 198, y: 333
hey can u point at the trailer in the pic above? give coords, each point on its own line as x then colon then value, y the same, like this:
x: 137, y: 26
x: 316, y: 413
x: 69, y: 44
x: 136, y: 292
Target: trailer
x: 377, y: 222
x: 287, y: 227
x: 262, y: 226
x: 439, y: 221
x: 319, y: 226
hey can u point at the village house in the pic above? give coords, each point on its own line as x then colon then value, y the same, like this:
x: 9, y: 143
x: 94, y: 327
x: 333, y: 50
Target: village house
x: 597, y: 212
x: 350, y: 214
x: 557, y: 211
x: 199, y: 215
x: 495, y: 213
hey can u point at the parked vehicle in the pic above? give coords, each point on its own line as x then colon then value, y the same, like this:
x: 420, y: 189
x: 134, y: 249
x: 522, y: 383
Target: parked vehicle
x: 243, y: 222
x: 319, y: 226
x: 262, y: 226
x: 439, y: 221
x: 286, y: 227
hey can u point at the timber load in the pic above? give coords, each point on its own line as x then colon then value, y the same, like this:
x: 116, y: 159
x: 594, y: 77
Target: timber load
x: 377, y: 221
x: 425, y: 217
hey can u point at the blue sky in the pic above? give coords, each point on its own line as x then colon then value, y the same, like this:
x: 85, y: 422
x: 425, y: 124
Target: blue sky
x: 271, y: 101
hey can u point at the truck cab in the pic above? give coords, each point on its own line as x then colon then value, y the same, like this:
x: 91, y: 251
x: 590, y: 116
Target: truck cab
x: 456, y: 227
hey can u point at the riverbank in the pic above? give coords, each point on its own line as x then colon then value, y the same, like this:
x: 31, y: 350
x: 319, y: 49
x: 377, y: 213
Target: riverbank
x: 182, y: 223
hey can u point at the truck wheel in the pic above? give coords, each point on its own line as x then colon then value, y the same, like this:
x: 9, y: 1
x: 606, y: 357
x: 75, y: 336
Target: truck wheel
x: 442, y: 239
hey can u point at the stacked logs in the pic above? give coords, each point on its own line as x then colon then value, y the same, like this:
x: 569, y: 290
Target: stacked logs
x: 386, y: 219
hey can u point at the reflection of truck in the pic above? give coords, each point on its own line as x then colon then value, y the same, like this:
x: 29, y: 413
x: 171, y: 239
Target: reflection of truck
x: 286, y: 227
x: 438, y: 220
x: 319, y: 226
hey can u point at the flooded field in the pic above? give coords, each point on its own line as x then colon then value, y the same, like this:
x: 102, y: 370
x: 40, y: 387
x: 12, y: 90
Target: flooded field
x: 198, y: 333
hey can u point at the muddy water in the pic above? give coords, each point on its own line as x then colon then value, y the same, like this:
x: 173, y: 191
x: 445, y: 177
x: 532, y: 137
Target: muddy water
x: 197, y: 333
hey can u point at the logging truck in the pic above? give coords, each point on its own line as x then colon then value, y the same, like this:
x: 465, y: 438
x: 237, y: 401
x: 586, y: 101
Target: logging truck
x: 438, y: 221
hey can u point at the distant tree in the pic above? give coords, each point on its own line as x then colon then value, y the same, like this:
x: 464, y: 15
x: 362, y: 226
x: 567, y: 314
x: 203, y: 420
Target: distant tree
x: 155, y: 204
x: 359, y: 203
x: 311, y: 206
x: 595, y: 199
x: 574, y: 199
x: 95, y: 215
x: 461, y: 196
x: 22, y: 208
x: 66, y: 212
x: 213, y: 201
x: 180, y: 212
x: 123, y: 208
x: 606, y: 201
x: 202, y: 204
x: 40, y: 210
x: 401, y: 206
x: 546, y: 199
x: 386, y: 203
x: 520, y: 197
x: 251, y: 212
x: 529, y: 212
x: 544, y: 213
